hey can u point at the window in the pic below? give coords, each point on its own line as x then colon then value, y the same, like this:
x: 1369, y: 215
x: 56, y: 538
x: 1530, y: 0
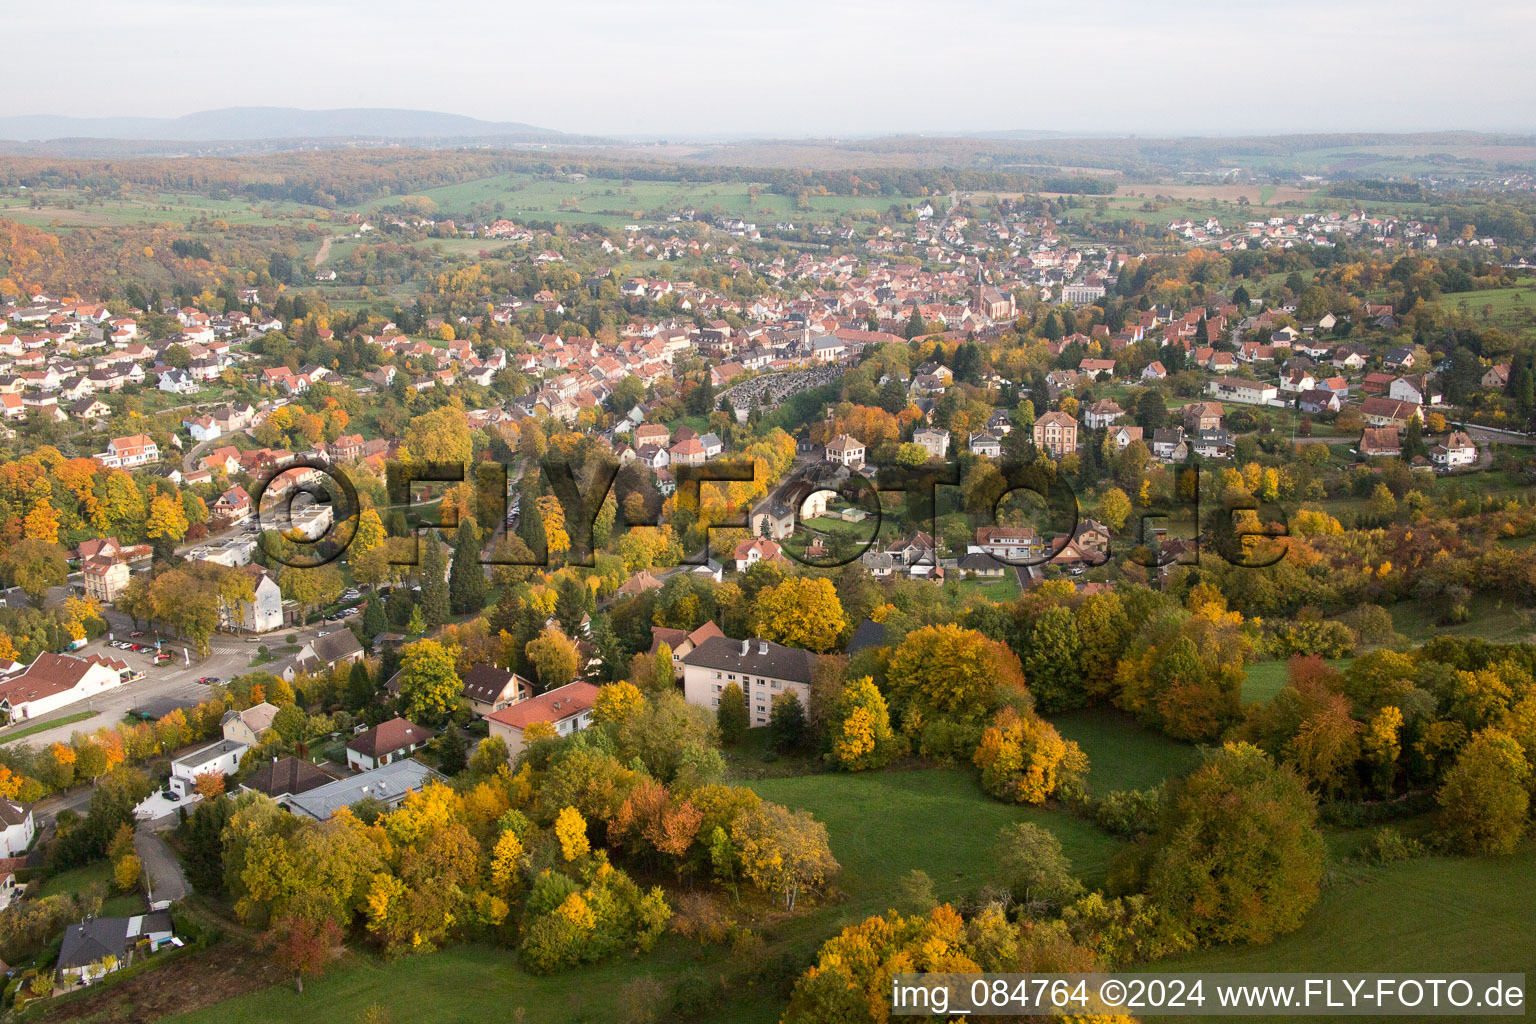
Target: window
x: 718, y: 687
x: 761, y: 708
x: 715, y: 702
x: 777, y: 685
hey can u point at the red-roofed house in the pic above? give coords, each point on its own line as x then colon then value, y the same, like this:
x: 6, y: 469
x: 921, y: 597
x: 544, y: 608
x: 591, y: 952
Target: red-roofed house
x: 386, y: 742
x: 568, y: 708
x: 54, y: 681
x: 128, y: 452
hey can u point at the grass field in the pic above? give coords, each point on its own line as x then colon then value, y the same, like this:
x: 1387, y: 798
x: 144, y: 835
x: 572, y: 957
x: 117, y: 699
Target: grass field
x: 1510, y: 308
x: 1123, y: 754
x: 1434, y: 914
x: 75, y: 208
x: 1490, y: 619
x: 77, y: 880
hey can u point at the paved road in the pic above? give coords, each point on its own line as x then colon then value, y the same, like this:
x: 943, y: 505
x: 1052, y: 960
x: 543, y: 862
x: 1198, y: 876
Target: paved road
x: 229, y: 656
x: 162, y: 871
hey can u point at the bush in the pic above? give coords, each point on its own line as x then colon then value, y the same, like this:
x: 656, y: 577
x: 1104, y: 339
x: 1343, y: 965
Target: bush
x: 1129, y: 812
x: 1389, y: 846
x: 693, y: 997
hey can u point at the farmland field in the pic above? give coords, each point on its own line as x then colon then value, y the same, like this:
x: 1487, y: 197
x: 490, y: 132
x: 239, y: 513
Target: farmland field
x: 612, y: 202
x: 1510, y: 308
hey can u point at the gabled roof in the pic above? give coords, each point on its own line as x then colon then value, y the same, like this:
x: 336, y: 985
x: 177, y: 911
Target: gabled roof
x: 753, y: 657
x: 286, y: 775
x: 388, y: 737
x: 555, y: 706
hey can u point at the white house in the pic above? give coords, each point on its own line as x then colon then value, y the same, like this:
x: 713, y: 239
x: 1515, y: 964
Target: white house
x: 388, y: 741
x: 1009, y: 543
x: 762, y: 669
x: 1248, y: 392
x: 54, y: 681
x: 261, y: 615
x: 1455, y: 451
x: 985, y: 444
x: 222, y: 757
x: 16, y: 829
x: 846, y: 451
x: 177, y: 382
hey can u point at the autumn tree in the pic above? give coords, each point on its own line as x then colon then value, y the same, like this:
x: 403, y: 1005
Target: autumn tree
x: 732, y: 716
x: 1032, y: 865
x: 554, y: 658
x: 1023, y: 758
x: 801, y: 612
x: 34, y: 566
x: 860, y: 728
x: 782, y: 852
x: 1239, y: 857
x: 1485, y: 799
x: 302, y: 947
x: 430, y: 687
x: 944, y: 677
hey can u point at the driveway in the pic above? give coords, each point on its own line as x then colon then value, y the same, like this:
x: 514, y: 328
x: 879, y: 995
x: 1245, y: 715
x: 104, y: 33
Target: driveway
x: 162, y: 871
x: 156, y: 809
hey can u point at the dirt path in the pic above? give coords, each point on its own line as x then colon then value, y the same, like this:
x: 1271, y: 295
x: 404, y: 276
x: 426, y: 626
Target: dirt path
x: 325, y: 251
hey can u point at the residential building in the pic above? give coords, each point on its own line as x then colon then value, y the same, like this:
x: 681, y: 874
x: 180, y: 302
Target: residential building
x: 774, y: 520
x: 389, y: 785
x: 1009, y: 543
x: 762, y: 669
x: 1237, y: 389
x: 846, y: 451
x: 985, y: 444
x: 1056, y: 433
x: 1376, y: 442
x: 286, y: 776
x: 263, y: 613
x: 250, y: 725
x: 104, y: 578
x: 54, y: 681
x: 933, y: 440
x: 99, y: 945
x: 221, y: 758
x: 567, y: 708
x: 1388, y: 412
x: 490, y: 688
x: 1456, y: 451
x: 388, y: 741
x: 16, y: 829
x: 321, y: 654
x: 1102, y: 414
x: 681, y: 641
x: 128, y: 452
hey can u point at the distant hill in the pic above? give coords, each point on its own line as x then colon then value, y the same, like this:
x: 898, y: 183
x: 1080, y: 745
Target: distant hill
x: 240, y: 123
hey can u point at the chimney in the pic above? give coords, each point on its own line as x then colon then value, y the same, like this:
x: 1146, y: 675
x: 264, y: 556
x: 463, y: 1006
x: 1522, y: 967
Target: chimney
x: 746, y: 645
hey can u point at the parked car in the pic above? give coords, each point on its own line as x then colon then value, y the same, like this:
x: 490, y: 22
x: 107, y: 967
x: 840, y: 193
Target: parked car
x: 137, y: 633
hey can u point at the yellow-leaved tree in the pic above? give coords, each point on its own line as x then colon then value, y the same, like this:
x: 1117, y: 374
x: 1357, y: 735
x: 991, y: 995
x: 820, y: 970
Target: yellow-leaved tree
x: 801, y: 612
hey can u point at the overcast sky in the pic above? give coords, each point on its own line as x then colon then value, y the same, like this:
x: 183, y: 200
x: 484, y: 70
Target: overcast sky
x: 797, y: 67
